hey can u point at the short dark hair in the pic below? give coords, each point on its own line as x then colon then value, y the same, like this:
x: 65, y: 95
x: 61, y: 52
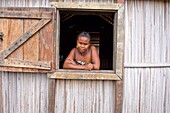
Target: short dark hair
x: 84, y: 34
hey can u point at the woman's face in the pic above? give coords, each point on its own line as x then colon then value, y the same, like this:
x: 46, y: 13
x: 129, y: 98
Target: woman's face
x: 83, y: 44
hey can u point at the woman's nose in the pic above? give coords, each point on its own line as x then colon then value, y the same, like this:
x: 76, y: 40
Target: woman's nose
x: 82, y: 45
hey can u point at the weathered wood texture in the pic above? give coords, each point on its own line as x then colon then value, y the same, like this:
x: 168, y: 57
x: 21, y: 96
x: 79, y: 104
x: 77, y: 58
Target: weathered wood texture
x: 46, y: 3
x: 89, y: 1
x: 146, y: 90
x: 84, y: 74
x: 51, y: 95
x: 147, y: 41
x: 24, y: 3
x: 23, y: 93
x: 31, y: 36
x: 35, y: 93
x: 84, y: 96
x: 87, y: 6
x: 147, y: 33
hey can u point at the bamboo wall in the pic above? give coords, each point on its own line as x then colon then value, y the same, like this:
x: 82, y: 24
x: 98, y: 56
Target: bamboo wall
x: 29, y: 93
x: 24, y: 3
x: 84, y: 96
x: 147, y: 41
x: 42, y: 3
x: 23, y: 93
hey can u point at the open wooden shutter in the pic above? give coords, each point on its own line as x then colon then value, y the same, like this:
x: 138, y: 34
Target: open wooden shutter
x: 27, y: 44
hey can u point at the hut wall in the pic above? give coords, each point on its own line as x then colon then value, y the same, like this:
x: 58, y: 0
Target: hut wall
x: 84, y: 96
x: 43, y: 3
x: 23, y: 93
x: 147, y: 41
x: 24, y: 3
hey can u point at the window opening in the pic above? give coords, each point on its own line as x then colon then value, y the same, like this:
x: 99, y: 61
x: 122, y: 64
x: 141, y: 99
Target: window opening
x: 100, y: 27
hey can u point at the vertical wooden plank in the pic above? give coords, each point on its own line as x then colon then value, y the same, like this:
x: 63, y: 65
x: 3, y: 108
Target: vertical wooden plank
x: 55, y: 20
x: 136, y: 40
x: 19, y: 93
x: 109, y: 96
x: 81, y: 87
x: 13, y: 34
x: 5, y: 101
x: 1, y: 105
x: 115, y: 40
x: 37, y: 94
x: 46, y: 45
x: 1, y: 30
x: 168, y: 33
x: 31, y: 47
x: 33, y: 84
x: 57, y: 38
x: 44, y: 94
x: 167, y: 91
x: 60, y: 97
x: 119, y: 60
x: 51, y: 95
x: 4, y: 29
x: 67, y: 96
x: 10, y: 97
x: 75, y: 101
x: 87, y: 96
x: 94, y: 97
x: 1, y: 49
x: 14, y: 93
x: 118, y: 96
x: 120, y: 42
x: 100, y: 95
x: 26, y: 92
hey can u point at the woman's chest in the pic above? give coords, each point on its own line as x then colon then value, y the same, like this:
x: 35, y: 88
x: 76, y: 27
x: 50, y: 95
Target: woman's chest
x: 84, y: 58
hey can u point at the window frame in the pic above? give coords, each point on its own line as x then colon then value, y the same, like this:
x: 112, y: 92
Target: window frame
x: 118, y: 46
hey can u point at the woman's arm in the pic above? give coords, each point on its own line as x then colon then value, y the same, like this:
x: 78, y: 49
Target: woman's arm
x: 95, y: 58
x: 70, y: 64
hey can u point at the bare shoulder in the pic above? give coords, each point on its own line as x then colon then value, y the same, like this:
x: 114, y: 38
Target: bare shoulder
x: 93, y: 47
x: 74, y: 49
x: 71, y: 54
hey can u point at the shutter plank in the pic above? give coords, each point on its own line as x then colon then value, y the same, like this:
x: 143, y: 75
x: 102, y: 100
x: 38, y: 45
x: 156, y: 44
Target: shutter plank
x: 26, y: 64
x: 24, y: 38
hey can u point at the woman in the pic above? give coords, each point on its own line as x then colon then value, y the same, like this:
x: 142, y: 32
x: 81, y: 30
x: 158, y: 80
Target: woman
x: 84, y: 56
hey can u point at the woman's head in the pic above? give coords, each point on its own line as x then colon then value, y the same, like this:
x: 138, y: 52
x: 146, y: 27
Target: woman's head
x: 83, y: 42
x: 84, y: 34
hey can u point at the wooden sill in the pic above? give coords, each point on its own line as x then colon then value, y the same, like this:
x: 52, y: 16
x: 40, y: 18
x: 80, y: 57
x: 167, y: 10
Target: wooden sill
x: 84, y: 74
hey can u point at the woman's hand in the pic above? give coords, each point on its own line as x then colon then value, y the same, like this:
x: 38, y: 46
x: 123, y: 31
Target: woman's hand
x: 89, y: 66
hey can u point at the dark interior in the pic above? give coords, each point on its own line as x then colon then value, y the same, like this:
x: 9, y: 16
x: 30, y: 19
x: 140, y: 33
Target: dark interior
x: 100, y: 24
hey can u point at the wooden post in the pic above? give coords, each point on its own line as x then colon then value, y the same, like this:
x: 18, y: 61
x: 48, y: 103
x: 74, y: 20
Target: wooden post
x: 57, y: 39
x: 51, y: 98
x: 119, y: 97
